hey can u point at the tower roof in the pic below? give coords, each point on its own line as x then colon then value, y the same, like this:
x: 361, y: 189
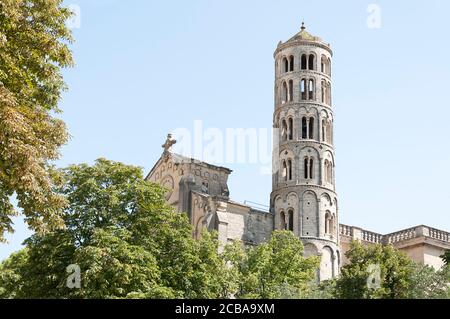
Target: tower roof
x: 304, y: 35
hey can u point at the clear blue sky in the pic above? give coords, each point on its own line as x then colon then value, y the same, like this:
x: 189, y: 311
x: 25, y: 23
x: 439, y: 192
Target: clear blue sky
x: 145, y: 68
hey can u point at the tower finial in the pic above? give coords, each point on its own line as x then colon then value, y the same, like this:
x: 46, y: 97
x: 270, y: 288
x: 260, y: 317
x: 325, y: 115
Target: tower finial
x: 303, y: 26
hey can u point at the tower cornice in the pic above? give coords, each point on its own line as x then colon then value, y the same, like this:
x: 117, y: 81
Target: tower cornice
x: 289, y: 145
x: 294, y: 187
x: 296, y: 43
x: 290, y: 74
x: 280, y: 106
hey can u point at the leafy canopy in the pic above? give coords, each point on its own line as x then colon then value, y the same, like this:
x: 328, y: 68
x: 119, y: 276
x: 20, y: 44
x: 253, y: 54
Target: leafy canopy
x: 399, y: 277
x: 127, y: 241
x: 275, y: 269
x: 33, y: 49
x: 428, y: 283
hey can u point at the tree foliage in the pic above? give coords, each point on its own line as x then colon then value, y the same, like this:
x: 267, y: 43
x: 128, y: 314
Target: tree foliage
x: 394, y: 266
x: 428, y: 283
x: 33, y: 49
x: 10, y: 276
x: 127, y: 241
x: 399, y: 276
x: 113, y: 267
x: 275, y: 269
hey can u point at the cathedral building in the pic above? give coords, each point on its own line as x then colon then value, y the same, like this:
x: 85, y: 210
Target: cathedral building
x: 303, y: 198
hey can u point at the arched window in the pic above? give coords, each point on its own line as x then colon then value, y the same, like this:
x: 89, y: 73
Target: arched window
x: 290, y: 129
x: 284, y: 171
x: 282, y: 220
x: 289, y: 170
x: 291, y: 90
x: 330, y: 128
x: 311, y: 62
x: 308, y: 127
x: 328, y: 93
x: 308, y: 167
x: 277, y: 94
x: 284, y: 130
x: 311, y: 89
x: 329, y: 168
x: 286, y: 65
x: 328, y: 223
x: 323, y: 64
x: 329, y: 67
x: 327, y: 171
x: 311, y: 128
x: 290, y: 220
x: 284, y: 93
x: 324, y: 130
x: 303, y: 89
x: 333, y: 225
x: 323, y: 90
x: 329, y: 133
x: 330, y: 174
x: 304, y: 128
x: 303, y: 62
x: 305, y: 168
x: 291, y: 63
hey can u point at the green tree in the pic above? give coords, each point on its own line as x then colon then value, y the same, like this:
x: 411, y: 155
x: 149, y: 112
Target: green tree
x: 127, y: 241
x: 323, y: 290
x: 212, y: 278
x: 428, y: 283
x: 43, y: 275
x: 33, y: 49
x: 275, y: 269
x: 395, y: 271
x: 10, y: 276
x: 114, y: 268
x: 111, y: 268
x: 107, y: 194
x: 193, y: 268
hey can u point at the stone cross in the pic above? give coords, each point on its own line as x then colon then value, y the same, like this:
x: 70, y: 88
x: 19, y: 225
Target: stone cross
x: 169, y: 143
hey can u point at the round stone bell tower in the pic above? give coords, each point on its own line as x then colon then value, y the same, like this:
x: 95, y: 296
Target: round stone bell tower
x: 303, y: 196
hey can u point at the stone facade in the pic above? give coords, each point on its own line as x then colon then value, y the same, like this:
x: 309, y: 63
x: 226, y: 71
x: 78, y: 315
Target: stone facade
x: 201, y: 190
x: 303, y: 197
